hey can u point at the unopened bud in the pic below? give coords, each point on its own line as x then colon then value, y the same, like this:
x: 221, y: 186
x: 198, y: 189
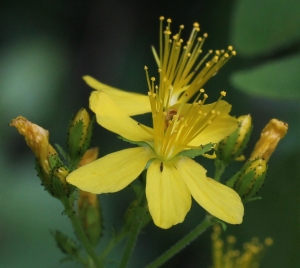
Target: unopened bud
x: 89, y: 156
x: 89, y: 215
x: 273, y: 132
x: 67, y: 245
x: 89, y: 212
x: 249, y: 180
x: 37, y: 139
x: 231, y: 148
x: 80, y: 133
x: 49, y: 166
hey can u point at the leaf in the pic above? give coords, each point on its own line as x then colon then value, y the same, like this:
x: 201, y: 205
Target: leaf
x: 276, y: 79
x: 260, y: 27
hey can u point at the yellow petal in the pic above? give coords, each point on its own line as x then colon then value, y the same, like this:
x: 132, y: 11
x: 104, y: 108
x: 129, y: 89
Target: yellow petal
x: 112, y: 118
x: 129, y: 102
x: 216, y: 198
x: 220, y: 128
x: 112, y: 172
x: 168, y: 198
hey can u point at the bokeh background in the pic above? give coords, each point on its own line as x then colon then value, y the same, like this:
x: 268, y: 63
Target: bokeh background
x: 47, y: 46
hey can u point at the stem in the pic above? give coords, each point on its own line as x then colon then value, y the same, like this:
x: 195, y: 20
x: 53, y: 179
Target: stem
x: 133, y: 234
x: 80, y: 233
x: 137, y: 223
x: 181, y: 244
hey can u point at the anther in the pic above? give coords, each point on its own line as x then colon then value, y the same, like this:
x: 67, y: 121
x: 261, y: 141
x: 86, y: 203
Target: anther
x: 196, y: 25
x: 161, y: 18
x: 230, y: 48
x: 181, y: 26
x: 223, y: 93
x: 169, y: 20
x: 152, y: 78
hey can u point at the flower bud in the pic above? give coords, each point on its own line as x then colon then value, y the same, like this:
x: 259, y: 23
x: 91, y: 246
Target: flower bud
x: 249, y: 180
x: 67, y: 245
x: 49, y: 166
x: 80, y: 132
x: 89, y: 212
x: 232, y: 147
x: 273, y: 132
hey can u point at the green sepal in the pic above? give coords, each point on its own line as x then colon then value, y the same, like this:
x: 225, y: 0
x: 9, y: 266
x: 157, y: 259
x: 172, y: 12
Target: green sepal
x: 226, y: 148
x: 222, y: 223
x: 44, y: 177
x: 202, y: 149
x: 58, y: 186
x: 79, y: 139
x: 138, y: 143
x: 66, y: 244
x: 247, y: 185
x: 61, y: 151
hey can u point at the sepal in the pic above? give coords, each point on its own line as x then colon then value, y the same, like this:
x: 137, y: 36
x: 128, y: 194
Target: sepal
x: 66, y: 244
x: 79, y: 136
x: 232, y: 147
x: 248, y: 181
x: 192, y: 153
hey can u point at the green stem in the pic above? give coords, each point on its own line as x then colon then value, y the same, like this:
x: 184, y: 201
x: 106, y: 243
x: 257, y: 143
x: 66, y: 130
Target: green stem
x: 133, y: 234
x: 181, y: 244
x: 80, y: 233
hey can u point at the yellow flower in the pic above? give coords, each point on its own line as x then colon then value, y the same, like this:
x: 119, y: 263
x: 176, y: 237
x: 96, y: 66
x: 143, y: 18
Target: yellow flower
x: 181, y: 69
x: 172, y: 178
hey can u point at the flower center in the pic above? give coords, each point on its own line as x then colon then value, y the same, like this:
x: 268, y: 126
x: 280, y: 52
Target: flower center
x: 174, y: 127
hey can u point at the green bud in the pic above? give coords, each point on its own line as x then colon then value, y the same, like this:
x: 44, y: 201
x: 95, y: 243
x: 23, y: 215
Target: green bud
x: 232, y: 147
x: 67, y: 245
x: 249, y: 180
x: 90, y: 216
x: 80, y: 133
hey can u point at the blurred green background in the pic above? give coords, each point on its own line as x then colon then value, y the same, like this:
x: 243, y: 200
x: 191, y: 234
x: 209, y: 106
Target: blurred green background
x: 47, y: 46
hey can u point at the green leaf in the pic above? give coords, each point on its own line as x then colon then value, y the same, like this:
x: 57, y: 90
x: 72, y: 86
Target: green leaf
x: 260, y: 27
x: 199, y: 151
x: 275, y: 79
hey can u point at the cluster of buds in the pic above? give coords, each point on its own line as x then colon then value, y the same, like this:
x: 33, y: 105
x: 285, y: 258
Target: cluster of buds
x: 51, y: 167
x: 248, y: 181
